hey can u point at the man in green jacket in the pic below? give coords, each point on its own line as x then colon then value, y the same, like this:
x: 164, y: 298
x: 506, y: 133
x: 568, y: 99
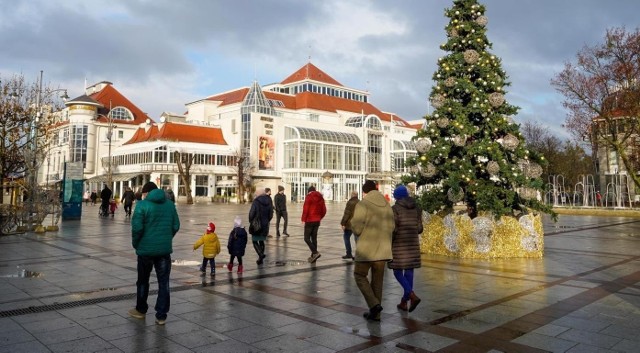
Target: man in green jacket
x: 373, y: 224
x: 154, y: 224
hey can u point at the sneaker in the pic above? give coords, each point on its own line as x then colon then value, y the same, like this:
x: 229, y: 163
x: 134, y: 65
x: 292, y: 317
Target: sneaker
x: 269, y: 236
x: 135, y: 313
x: 315, y: 257
x: 160, y: 322
x: 213, y: 273
x: 310, y: 259
x: 347, y: 257
x: 286, y: 234
x: 374, y: 313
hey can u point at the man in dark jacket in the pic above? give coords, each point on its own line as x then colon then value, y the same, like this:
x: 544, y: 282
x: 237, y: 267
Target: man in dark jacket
x: 127, y: 199
x: 280, y: 201
x: 346, y: 223
x: 154, y: 224
x: 105, y: 197
x: 262, y: 209
x: 313, y: 211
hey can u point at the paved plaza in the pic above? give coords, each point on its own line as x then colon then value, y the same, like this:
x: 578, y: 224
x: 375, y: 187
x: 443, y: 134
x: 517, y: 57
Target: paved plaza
x: 69, y: 291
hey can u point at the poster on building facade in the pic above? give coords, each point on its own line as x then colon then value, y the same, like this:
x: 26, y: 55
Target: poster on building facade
x: 266, y: 152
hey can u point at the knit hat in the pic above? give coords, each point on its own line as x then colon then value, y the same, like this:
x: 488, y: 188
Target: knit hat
x: 148, y: 187
x: 400, y: 192
x: 280, y: 188
x: 237, y: 222
x: 311, y: 188
x: 368, y: 186
x: 211, y: 228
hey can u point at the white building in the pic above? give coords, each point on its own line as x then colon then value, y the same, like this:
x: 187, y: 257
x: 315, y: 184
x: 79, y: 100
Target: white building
x: 306, y: 130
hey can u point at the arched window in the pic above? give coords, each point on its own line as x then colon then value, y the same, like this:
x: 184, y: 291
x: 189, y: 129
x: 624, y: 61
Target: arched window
x: 121, y: 113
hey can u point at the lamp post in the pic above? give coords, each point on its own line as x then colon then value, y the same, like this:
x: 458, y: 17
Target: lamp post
x: 33, y: 177
x: 110, y: 128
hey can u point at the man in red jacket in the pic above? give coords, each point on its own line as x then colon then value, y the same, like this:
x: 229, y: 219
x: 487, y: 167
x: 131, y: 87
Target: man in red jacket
x: 313, y: 211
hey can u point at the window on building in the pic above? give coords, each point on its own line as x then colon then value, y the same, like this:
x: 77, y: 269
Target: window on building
x: 202, y: 185
x: 78, y: 144
x: 314, y: 117
x: 121, y: 113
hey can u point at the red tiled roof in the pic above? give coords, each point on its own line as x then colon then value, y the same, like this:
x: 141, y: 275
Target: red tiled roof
x: 179, y: 132
x: 109, y: 96
x: 311, y: 72
x: 236, y: 96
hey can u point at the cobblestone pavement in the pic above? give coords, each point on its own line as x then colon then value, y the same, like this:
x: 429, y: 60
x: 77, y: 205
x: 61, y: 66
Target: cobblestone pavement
x: 69, y: 291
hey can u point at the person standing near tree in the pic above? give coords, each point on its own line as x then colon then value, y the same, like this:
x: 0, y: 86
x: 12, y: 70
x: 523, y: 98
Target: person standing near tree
x: 280, y: 202
x: 345, y: 223
x: 373, y: 224
x: 154, y: 224
x: 406, y: 245
x: 313, y: 210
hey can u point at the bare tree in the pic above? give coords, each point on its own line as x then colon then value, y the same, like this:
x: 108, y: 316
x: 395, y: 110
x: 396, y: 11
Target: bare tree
x: 184, y: 162
x: 24, y: 120
x: 245, y: 169
x: 602, y: 94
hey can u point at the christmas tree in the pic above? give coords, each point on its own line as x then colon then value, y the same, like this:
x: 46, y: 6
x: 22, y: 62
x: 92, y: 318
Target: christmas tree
x: 470, y: 149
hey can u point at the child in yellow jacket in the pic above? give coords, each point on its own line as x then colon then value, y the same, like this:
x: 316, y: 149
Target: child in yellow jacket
x: 210, y: 250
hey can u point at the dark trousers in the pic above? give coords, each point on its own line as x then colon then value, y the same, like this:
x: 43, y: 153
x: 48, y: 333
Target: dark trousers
x: 286, y: 221
x: 211, y: 261
x: 347, y: 241
x: 127, y: 208
x: 233, y: 257
x: 259, y: 247
x: 311, y: 236
x: 162, y: 265
x: 371, y: 291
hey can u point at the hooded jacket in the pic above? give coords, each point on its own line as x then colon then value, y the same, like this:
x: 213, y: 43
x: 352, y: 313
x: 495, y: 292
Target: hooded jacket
x: 314, y: 208
x: 211, y: 244
x: 373, y: 223
x: 153, y: 224
x: 237, y: 241
x: 406, y: 236
x: 348, y: 212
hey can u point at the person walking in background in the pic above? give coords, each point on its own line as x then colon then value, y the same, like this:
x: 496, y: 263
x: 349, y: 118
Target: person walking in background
x: 105, y: 197
x: 170, y: 195
x: 237, y: 244
x: 94, y: 197
x: 127, y: 198
x: 210, y: 249
x: 154, y: 224
x: 313, y: 211
x: 261, y: 212
x: 345, y: 223
x: 86, y: 197
x: 280, y: 202
x: 113, y: 205
x: 267, y: 192
x: 373, y: 224
x: 406, y: 244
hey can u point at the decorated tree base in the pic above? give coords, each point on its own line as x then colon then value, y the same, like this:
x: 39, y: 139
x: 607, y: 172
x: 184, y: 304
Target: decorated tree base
x: 483, y: 237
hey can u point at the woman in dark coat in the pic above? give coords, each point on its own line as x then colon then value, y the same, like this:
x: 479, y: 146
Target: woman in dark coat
x: 262, y: 207
x: 406, y: 244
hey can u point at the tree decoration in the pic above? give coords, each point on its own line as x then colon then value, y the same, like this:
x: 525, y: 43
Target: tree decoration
x: 510, y: 142
x: 442, y: 122
x: 481, y: 233
x: 493, y: 168
x: 482, y: 20
x: 455, y: 196
x: 437, y: 100
x: 423, y: 144
x: 460, y: 140
x: 428, y: 170
x: 496, y: 99
x: 450, y: 82
x: 471, y: 56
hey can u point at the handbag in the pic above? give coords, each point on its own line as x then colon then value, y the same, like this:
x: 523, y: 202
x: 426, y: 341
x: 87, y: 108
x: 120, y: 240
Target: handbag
x: 255, y: 225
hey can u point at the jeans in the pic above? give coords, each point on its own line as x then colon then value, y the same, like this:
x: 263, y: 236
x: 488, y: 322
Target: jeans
x: 371, y: 291
x: 211, y: 261
x: 311, y: 236
x: 162, y: 265
x: 347, y: 241
x: 286, y: 221
x: 127, y: 208
x: 405, y: 278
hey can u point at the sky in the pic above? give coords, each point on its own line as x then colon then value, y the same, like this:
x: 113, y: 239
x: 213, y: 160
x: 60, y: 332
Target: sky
x: 162, y: 54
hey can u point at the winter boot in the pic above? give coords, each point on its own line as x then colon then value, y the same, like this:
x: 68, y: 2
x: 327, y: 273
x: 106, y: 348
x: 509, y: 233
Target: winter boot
x: 240, y: 269
x: 230, y: 267
x: 414, y: 301
x: 403, y: 305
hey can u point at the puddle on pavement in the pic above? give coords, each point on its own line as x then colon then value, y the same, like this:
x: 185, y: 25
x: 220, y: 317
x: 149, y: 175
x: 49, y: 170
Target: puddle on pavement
x: 179, y: 262
x: 22, y: 273
x: 289, y: 263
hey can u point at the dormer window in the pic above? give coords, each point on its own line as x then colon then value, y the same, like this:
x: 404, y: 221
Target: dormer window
x: 121, y: 113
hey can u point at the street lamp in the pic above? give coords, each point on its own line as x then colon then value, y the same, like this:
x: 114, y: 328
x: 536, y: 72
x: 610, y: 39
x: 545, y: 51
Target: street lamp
x: 109, y: 137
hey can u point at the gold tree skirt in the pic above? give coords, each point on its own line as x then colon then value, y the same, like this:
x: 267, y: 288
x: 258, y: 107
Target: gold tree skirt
x: 483, y: 237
